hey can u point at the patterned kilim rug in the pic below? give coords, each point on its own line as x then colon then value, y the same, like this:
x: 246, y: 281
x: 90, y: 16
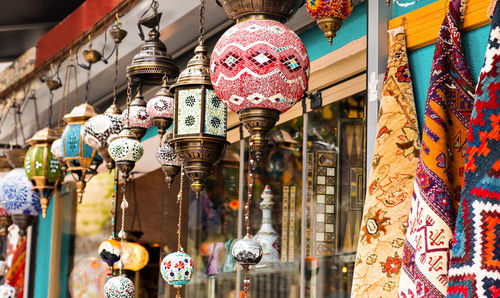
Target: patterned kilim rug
x: 475, y: 262
x: 439, y: 178
x: 387, y: 203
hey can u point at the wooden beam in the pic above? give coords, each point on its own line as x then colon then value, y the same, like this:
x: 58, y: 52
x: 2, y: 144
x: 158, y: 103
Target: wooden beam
x: 422, y: 25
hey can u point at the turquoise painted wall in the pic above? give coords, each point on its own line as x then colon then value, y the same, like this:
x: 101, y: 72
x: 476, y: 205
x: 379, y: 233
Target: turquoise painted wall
x: 353, y: 28
x: 43, y: 253
x: 474, y: 45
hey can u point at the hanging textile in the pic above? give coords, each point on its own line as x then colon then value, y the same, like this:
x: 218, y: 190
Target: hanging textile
x: 475, y: 262
x: 15, y: 275
x: 387, y: 203
x: 441, y: 166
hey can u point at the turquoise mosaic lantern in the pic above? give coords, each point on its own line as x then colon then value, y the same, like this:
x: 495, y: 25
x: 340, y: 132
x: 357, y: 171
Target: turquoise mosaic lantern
x: 82, y: 161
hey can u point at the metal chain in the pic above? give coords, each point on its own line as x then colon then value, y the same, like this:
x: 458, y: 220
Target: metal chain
x: 115, y: 83
x: 114, y: 196
x: 122, y: 235
x: 129, y: 95
x: 35, y: 106
x: 87, y: 85
x: 179, y: 202
x: 51, y: 98
x: 201, y: 39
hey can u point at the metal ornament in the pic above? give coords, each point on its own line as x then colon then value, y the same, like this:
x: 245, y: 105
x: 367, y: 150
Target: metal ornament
x: 81, y: 160
x: 119, y: 287
x: 161, y: 109
x: 177, y: 269
x: 199, y: 136
x: 329, y: 15
x: 138, y: 118
x: 42, y: 168
x: 125, y: 150
x: 279, y: 10
x: 170, y: 163
x: 152, y: 63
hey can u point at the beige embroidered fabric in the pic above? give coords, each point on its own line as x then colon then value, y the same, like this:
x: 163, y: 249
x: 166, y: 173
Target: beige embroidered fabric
x: 390, y: 187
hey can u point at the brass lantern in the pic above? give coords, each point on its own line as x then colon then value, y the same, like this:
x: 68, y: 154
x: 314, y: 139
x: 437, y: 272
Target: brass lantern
x: 82, y: 161
x: 42, y: 168
x: 199, y: 136
x: 278, y: 10
x: 152, y: 63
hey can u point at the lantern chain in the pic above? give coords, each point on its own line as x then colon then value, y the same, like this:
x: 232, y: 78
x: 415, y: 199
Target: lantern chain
x: 35, y: 106
x: 115, y: 82
x: 114, y: 196
x: 201, y: 39
x: 122, y: 234
x: 179, y: 202
x: 129, y: 94
x: 87, y: 85
x: 51, y: 100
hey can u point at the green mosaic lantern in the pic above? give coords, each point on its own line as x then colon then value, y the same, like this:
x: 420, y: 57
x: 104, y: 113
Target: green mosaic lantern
x: 42, y: 167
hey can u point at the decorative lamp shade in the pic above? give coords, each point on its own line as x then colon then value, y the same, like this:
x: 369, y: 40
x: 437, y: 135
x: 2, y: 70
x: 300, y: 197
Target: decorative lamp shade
x: 139, y: 120
x: 152, y: 63
x: 199, y: 136
x: 7, y: 291
x: 259, y: 69
x: 329, y: 14
x: 119, y: 287
x: 97, y: 130
x: 81, y: 160
x: 16, y: 194
x: 134, y: 257
x: 110, y: 251
x: 279, y: 10
x: 125, y: 150
x: 170, y: 163
x: 161, y: 109
x: 177, y: 268
x: 42, y: 167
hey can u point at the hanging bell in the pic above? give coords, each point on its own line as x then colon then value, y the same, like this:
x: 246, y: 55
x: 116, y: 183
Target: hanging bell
x: 152, y: 63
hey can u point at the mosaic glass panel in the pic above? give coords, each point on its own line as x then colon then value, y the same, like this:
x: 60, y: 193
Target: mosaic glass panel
x: 189, y: 111
x: 215, y: 115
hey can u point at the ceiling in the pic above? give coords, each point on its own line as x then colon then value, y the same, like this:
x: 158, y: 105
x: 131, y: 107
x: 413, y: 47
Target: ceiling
x: 23, y: 22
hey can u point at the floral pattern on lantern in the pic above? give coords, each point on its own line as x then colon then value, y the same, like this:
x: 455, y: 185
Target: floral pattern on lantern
x: 7, y: 291
x: 259, y: 64
x: 329, y: 14
x: 16, y: 194
x: 119, y: 287
x: 97, y: 130
x: 125, y: 149
x: 189, y: 111
x: 177, y: 268
x: 160, y: 106
x: 138, y: 119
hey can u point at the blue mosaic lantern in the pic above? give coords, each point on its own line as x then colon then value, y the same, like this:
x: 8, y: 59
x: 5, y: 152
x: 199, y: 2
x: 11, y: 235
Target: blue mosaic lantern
x: 199, y: 136
x: 82, y: 161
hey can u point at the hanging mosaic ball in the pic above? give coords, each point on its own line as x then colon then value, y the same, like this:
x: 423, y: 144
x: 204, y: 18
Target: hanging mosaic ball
x: 16, y: 194
x: 160, y: 106
x: 166, y: 156
x: 56, y: 148
x: 97, y: 130
x: 259, y: 64
x: 110, y: 251
x: 247, y: 252
x: 177, y: 268
x: 7, y: 291
x: 125, y: 149
x: 119, y: 287
x: 139, y: 117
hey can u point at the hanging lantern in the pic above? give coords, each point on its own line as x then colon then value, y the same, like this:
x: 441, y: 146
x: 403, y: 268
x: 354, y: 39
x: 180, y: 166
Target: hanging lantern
x: 119, y: 287
x: 41, y: 167
x: 134, y: 256
x: 125, y: 150
x: 7, y: 291
x: 110, y: 251
x: 161, y: 109
x: 18, y: 199
x: 170, y: 163
x: 259, y: 69
x: 81, y: 160
x: 329, y: 14
x: 152, y: 63
x: 177, y: 268
x: 200, y: 126
x: 138, y: 117
x: 98, y: 130
x: 279, y: 10
x: 247, y: 252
